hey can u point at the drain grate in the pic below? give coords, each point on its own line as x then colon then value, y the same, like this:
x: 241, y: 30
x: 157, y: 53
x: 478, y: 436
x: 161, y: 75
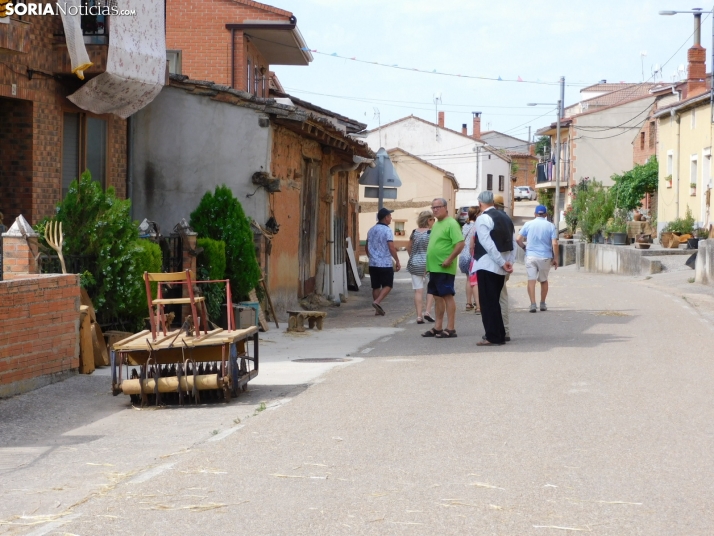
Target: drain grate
x: 322, y: 360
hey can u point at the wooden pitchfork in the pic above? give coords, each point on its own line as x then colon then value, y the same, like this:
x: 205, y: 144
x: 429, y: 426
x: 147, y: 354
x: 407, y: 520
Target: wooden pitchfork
x: 53, y: 236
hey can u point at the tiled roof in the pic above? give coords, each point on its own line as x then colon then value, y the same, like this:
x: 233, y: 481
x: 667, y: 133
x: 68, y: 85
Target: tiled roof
x: 410, y: 155
x: 625, y: 93
x: 612, y: 86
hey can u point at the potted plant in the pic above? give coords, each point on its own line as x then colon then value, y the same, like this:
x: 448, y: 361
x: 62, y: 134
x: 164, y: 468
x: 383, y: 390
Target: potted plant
x: 617, y: 229
x: 571, y: 221
x: 693, y: 188
x: 668, y: 180
x: 676, y: 228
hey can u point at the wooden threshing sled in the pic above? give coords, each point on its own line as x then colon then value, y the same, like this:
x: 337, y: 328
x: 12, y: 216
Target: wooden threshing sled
x: 186, y: 365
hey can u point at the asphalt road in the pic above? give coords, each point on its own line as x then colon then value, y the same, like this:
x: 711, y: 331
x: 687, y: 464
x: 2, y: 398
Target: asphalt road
x: 598, y: 417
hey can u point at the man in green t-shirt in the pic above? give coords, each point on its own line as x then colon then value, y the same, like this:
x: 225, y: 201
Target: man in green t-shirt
x: 445, y: 244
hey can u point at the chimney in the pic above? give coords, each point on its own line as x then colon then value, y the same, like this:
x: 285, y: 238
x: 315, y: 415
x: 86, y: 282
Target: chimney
x: 697, y: 57
x: 441, y: 119
x: 531, y: 149
x: 464, y: 130
x: 476, y: 134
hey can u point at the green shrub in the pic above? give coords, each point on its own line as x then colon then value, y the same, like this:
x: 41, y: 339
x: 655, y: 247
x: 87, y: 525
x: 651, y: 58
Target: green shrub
x: 682, y: 225
x: 547, y: 199
x: 96, y: 223
x: 148, y: 259
x: 211, y: 265
x: 632, y: 186
x: 220, y: 216
x: 593, y: 206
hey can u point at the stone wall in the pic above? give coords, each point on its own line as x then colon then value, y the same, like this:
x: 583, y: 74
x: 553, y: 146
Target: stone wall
x: 39, y: 339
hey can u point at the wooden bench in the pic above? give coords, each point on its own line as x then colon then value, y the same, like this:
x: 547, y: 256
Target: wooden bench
x: 296, y: 320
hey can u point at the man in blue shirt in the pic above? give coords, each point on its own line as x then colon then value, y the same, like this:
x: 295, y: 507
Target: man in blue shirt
x: 380, y: 250
x: 541, y: 247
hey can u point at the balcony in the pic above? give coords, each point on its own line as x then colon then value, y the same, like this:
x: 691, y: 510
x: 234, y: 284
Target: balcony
x: 95, y: 30
x: 15, y: 37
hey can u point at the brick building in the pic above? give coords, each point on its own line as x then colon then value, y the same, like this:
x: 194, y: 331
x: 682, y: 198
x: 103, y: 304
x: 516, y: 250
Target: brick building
x: 46, y: 140
x: 232, y: 42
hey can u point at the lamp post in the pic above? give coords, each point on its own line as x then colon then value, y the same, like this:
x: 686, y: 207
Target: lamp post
x: 556, y: 202
x: 697, y: 28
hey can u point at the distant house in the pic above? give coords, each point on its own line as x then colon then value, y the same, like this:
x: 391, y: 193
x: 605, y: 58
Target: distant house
x: 475, y: 165
x: 422, y: 182
x: 522, y: 154
x: 596, y: 135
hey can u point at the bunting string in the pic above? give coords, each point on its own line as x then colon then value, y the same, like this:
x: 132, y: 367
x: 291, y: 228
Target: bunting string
x: 440, y: 73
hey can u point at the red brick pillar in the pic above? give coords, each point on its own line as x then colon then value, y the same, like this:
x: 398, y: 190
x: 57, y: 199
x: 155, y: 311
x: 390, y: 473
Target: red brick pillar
x: 20, y: 250
x: 189, y: 263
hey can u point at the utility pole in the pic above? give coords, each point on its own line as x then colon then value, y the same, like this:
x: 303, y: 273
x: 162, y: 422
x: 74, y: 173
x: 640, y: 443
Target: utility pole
x: 529, y: 139
x: 556, y: 216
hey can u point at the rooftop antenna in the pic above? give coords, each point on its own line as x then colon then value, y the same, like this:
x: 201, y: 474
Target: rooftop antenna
x: 437, y: 101
x: 656, y: 70
x: 378, y: 117
x: 642, y: 61
x: 680, y: 71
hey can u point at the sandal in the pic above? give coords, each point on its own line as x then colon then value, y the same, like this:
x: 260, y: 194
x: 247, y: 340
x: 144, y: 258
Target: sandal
x: 487, y: 343
x: 469, y: 306
x: 428, y: 318
x: 477, y: 310
x: 431, y: 333
x: 447, y: 334
x: 378, y: 308
x: 420, y: 320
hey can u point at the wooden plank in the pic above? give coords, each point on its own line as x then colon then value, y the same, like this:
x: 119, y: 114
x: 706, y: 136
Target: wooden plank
x: 253, y: 296
x: 223, y: 337
x: 207, y: 335
x: 178, y: 301
x: 99, y: 346
x: 84, y: 299
x: 133, y: 337
x: 168, y: 277
x: 353, y: 263
x: 86, y: 350
x: 169, y: 335
x: 270, y: 303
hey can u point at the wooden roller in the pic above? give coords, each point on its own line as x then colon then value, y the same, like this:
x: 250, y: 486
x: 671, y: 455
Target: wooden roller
x: 170, y: 384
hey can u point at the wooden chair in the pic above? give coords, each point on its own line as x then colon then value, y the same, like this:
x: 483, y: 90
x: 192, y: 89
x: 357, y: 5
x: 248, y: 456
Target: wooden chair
x: 157, y: 318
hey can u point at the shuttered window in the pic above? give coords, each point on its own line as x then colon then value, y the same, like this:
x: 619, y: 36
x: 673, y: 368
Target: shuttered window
x: 489, y: 182
x: 70, y: 150
x: 97, y: 149
x: 501, y: 183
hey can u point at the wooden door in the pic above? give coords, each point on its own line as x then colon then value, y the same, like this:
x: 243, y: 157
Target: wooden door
x: 308, y: 229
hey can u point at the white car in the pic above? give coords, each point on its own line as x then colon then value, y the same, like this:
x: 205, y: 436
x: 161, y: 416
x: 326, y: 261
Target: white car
x: 521, y: 193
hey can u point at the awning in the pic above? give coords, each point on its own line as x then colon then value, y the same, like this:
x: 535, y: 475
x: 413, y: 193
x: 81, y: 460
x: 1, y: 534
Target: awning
x: 278, y: 43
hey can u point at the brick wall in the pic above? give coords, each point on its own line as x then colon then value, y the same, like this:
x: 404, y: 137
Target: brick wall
x: 645, y: 144
x: 33, y: 117
x: 39, y: 340
x: 198, y: 29
x: 526, y: 174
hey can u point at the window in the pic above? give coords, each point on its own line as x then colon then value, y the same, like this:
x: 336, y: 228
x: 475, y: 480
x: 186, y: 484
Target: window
x: 501, y: 182
x: 694, y: 118
x: 642, y: 140
x: 173, y: 57
x: 84, y: 146
x: 399, y: 228
x: 489, y: 182
x: 669, y: 163
x: 693, y: 171
x: 653, y: 134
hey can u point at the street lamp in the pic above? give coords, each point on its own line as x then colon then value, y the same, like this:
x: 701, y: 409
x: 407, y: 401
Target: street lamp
x: 697, y: 12
x: 556, y: 202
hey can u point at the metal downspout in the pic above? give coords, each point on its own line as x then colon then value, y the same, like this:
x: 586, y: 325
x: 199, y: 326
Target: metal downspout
x: 677, y: 118
x: 129, y: 164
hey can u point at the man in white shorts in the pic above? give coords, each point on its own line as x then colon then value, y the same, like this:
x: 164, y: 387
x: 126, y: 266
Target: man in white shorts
x: 541, y: 245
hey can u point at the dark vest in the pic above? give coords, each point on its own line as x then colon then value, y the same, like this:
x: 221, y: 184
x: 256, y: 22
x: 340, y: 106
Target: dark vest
x: 502, y: 233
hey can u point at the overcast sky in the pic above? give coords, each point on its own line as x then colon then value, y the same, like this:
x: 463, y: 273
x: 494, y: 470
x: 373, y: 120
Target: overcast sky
x: 583, y: 41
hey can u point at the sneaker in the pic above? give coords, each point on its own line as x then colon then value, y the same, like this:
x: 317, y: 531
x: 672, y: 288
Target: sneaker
x: 543, y: 306
x: 533, y: 308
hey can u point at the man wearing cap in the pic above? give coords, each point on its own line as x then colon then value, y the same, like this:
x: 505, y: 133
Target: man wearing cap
x: 494, y: 254
x: 445, y: 244
x: 541, y: 247
x: 380, y: 250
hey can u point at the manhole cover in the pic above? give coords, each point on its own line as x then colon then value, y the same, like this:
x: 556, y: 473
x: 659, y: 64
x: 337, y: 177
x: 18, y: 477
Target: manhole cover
x: 322, y: 360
